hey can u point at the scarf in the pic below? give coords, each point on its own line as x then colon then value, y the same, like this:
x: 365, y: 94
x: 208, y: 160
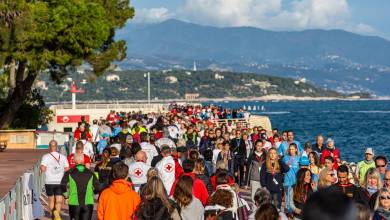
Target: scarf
x: 371, y: 190
x: 383, y: 213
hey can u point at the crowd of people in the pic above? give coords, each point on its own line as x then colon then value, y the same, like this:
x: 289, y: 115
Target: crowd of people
x: 201, y: 162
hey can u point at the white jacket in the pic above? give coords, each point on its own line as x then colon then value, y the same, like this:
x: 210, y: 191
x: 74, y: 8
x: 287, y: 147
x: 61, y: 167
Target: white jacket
x: 150, y: 151
x: 166, y: 170
x: 137, y: 173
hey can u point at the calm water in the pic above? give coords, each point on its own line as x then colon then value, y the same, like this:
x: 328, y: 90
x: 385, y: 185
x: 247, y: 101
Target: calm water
x: 354, y: 125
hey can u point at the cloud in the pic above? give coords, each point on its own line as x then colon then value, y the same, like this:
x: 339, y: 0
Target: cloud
x: 152, y: 15
x: 273, y: 14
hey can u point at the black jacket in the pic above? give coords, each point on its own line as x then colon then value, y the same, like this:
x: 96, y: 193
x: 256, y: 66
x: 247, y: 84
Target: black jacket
x: 354, y: 192
x: 80, y: 180
x: 267, y: 178
x: 238, y: 148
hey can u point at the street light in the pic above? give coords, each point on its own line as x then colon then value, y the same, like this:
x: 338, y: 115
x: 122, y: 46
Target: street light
x: 148, y: 75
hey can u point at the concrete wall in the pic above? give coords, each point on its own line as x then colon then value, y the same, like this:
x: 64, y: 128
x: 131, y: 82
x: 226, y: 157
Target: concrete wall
x: 19, y: 139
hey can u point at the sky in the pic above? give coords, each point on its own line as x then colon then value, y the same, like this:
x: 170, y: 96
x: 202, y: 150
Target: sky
x: 368, y: 17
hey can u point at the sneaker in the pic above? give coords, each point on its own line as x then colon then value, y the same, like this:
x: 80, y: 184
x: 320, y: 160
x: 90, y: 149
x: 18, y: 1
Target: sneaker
x: 56, y: 215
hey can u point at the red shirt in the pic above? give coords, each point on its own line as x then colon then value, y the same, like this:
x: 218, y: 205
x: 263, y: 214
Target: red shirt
x: 73, y: 164
x: 335, y: 154
x: 199, y: 190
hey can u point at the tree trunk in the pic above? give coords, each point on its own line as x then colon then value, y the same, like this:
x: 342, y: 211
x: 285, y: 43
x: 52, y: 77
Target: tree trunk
x: 12, y: 72
x: 17, y: 96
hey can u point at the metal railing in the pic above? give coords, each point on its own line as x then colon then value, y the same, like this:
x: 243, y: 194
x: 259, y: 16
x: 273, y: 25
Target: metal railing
x: 110, y: 106
x: 12, y: 205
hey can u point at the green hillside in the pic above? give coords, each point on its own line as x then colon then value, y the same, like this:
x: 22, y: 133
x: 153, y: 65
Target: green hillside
x: 132, y: 85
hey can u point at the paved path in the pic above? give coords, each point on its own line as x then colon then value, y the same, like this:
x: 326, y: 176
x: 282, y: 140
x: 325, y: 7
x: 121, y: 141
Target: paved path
x: 13, y: 163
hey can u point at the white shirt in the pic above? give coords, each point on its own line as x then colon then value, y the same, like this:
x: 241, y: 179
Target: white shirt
x: 215, y: 156
x: 55, y: 164
x: 267, y: 145
x: 137, y: 173
x: 249, y: 147
x: 150, y: 151
x: 166, y: 170
x: 95, y: 133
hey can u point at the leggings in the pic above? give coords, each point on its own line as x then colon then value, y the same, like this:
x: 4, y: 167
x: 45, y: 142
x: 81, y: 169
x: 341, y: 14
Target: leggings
x: 80, y: 212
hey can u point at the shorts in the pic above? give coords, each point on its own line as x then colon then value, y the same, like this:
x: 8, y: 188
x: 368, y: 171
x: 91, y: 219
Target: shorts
x: 54, y: 189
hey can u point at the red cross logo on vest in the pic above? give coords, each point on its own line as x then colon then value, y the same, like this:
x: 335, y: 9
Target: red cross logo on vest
x: 138, y: 172
x: 168, y: 167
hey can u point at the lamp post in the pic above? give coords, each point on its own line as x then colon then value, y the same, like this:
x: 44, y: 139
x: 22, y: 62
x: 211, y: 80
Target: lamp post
x: 148, y: 75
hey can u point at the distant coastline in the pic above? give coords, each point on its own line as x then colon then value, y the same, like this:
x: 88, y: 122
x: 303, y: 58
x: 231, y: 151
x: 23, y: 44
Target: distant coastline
x: 268, y: 98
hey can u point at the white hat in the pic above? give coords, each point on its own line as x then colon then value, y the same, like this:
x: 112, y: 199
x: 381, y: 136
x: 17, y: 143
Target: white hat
x: 329, y: 140
x: 369, y: 151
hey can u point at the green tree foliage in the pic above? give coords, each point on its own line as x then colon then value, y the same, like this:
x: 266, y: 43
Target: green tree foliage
x: 32, y: 113
x: 54, y: 36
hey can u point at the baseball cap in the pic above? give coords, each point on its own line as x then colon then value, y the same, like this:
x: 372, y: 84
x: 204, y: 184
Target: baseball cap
x: 369, y: 151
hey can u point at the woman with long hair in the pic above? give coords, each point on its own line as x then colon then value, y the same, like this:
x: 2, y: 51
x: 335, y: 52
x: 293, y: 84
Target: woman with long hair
x: 227, y: 157
x: 191, y: 207
x: 382, y: 206
x: 199, y: 171
x: 372, y: 182
x: 155, y: 203
x: 300, y: 192
x: 271, y: 176
x: 291, y: 159
x: 326, y: 178
x: 314, y: 166
x: 103, y: 170
x: 255, y: 161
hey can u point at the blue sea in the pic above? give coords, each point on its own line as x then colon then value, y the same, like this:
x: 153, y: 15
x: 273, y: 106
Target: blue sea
x: 354, y: 125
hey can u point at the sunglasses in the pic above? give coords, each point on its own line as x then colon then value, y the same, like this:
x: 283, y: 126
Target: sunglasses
x: 386, y: 179
x: 384, y: 197
x: 380, y: 166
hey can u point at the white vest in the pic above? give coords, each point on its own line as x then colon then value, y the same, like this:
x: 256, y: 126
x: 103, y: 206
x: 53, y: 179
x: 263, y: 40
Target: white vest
x: 137, y: 173
x: 166, y: 170
x: 150, y: 151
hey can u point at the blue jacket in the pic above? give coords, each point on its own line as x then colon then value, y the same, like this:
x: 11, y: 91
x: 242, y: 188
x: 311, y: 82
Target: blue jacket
x: 290, y: 177
x: 283, y: 148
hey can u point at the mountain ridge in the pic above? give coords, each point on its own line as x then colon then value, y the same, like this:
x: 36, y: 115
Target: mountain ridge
x: 334, y: 59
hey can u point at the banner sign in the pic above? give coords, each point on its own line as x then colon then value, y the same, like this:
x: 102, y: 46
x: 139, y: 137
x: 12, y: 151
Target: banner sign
x: 71, y: 118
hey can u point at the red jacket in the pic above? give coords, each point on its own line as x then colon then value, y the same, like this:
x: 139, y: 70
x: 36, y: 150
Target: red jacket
x: 213, y: 179
x: 198, y: 189
x: 77, y: 135
x: 178, y: 170
x: 335, y: 154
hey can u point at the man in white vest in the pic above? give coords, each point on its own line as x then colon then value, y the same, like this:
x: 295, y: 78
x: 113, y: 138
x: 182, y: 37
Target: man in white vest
x: 138, y: 170
x: 148, y: 148
x: 166, y: 168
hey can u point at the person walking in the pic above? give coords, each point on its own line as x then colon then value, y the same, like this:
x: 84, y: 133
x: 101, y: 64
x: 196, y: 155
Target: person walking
x: 364, y: 165
x: 191, y: 207
x: 166, y: 168
x: 82, y: 184
x: 119, y: 201
x: 79, y: 150
x: 271, y: 176
x: 138, y: 170
x: 255, y: 161
x: 155, y: 203
x: 382, y: 207
x: 54, y: 165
